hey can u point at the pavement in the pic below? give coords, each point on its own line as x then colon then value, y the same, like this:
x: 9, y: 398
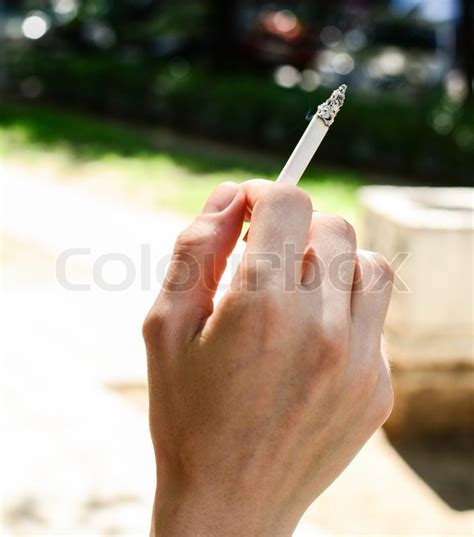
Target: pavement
x: 76, y: 456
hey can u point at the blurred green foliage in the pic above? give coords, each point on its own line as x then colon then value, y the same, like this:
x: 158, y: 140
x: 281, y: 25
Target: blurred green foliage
x: 180, y: 171
x: 422, y: 136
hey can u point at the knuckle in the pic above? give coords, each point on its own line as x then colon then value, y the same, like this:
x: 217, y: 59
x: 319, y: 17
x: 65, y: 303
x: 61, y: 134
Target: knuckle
x: 345, y: 230
x: 365, y: 264
x: 289, y: 197
x: 153, y: 326
x: 340, y: 227
x: 379, y: 390
x: 383, y: 267
x: 384, y: 403
x: 256, y: 276
x: 195, y: 237
x: 263, y: 301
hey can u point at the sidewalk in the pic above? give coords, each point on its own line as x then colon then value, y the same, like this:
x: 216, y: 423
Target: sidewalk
x: 57, y: 218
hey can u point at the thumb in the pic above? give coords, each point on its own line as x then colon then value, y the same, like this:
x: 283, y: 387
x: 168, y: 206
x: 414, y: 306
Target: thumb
x: 199, y: 260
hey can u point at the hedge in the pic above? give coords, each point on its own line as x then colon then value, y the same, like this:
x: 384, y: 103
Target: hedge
x: 383, y: 132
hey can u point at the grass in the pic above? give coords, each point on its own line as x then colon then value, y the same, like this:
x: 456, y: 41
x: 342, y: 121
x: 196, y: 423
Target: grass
x: 170, y: 171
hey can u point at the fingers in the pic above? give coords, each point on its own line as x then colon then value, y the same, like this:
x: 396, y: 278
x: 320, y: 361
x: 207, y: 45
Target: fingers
x: 373, y: 278
x: 371, y: 293
x: 197, y: 263
x: 280, y: 219
x: 329, y: 264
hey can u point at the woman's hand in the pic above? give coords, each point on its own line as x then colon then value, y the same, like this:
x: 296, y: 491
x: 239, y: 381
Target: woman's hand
x: 258, y: 405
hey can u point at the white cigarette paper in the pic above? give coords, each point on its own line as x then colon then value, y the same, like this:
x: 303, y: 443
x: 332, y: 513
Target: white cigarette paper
x: 312, y: 137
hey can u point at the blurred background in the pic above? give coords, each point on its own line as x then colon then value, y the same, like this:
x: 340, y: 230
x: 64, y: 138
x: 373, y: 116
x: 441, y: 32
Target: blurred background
x: 117, y: 118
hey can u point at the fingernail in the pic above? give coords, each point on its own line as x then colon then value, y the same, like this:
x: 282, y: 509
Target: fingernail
x: 221, y: 198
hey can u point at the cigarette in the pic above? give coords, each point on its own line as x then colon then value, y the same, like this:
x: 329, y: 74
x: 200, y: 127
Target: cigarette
x: 312, y: 137
x: 311, y: 140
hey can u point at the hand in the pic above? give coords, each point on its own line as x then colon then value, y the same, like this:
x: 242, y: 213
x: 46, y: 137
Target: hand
x: 258, y: 405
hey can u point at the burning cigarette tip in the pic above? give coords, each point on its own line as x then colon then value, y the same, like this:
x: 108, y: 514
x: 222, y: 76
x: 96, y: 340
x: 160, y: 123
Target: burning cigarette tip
x: 328, y: 111
x: 312, y: 137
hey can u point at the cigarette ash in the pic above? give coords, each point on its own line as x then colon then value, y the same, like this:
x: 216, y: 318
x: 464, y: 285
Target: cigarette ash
x: 328, y: 110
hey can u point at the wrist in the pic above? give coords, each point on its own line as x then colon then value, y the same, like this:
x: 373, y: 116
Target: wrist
x: 192, y: 514
x: 186, y: 512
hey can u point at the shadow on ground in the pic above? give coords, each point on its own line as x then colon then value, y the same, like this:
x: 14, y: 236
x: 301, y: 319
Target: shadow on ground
x: 445, y: 463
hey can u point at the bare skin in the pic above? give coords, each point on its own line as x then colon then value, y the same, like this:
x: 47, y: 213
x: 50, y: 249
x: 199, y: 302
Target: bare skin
x: 257, y: 405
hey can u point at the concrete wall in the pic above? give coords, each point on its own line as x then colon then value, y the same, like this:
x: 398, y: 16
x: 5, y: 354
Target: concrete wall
x: 428, y: 235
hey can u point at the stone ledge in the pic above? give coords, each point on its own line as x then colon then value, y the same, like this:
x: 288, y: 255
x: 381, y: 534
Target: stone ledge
x: 429, y: 323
